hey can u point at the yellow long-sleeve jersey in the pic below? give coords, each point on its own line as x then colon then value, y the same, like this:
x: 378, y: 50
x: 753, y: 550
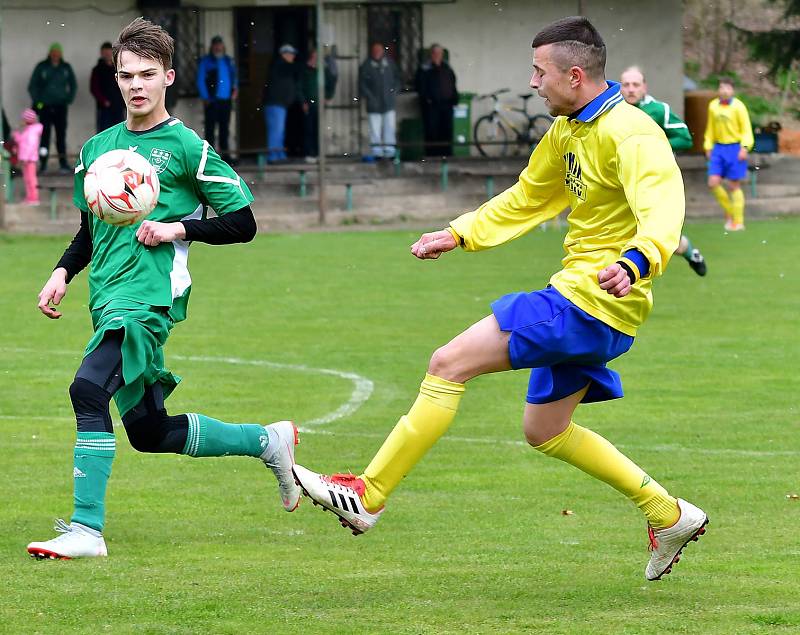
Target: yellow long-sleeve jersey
x: 615, y: 169
x: 728, y: 123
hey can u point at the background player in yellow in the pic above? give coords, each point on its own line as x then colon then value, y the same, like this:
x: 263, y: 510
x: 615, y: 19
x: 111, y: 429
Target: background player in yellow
x: 727, y: 141
x: 613, y: 166
x: 633, y: 87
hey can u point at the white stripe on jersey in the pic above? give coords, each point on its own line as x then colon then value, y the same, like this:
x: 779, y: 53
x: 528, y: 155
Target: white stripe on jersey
x: 217, y: 179
x: 179, y: 277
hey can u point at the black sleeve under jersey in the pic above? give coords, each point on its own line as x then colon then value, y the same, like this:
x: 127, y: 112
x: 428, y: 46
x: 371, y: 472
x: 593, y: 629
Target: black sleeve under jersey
x: 79, y: 252
x: 234, y: 227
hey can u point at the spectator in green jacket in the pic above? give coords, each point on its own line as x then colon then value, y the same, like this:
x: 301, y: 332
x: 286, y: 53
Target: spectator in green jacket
x: 52, y: 88
x: 308, y: 80
x: 633, y: 87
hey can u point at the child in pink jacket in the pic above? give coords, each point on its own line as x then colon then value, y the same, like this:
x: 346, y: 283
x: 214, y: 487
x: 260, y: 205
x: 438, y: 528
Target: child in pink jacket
x: 27, y: 140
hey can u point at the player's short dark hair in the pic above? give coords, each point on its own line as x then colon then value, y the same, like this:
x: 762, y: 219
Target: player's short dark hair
x: 106, y: 45
x: 727, y: 80
x: 578, y: 43
x: 145, y: 39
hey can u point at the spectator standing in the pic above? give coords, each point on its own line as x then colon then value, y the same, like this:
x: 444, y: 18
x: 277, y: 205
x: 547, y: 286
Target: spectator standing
x: 52, y: 88
x: 104, y: 88
x: 281, y: 90
x: 218, y: 85
x: 311, y: 103
x: 378, y: 83
x: 27, y: 140
x: 436, y: 85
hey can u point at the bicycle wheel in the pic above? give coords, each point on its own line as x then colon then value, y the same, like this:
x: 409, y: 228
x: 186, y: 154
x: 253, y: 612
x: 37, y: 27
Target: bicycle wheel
x: 491, y: 137
x: 537, y: 126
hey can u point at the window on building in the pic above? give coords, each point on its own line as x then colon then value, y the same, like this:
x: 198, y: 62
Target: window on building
x: 399, y: 27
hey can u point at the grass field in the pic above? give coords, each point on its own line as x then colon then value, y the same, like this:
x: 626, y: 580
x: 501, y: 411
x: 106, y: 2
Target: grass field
x: 474, y: 541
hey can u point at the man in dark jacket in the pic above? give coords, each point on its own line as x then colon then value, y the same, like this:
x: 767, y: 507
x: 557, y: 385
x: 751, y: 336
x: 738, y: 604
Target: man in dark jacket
x: 436, y: 84
x: 311, y: 105
x: 218, y: 86
x: 379, y: 82
x: 281, y: 90
x: 52, y: 88
x: 103, y: 84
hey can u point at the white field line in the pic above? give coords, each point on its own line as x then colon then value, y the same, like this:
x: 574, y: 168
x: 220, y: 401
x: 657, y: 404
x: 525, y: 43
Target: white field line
x: 363, y: 390
x: 362, y: 387
x: 676, y: 448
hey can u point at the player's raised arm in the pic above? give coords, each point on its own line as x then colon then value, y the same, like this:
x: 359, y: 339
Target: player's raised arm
x: 536, y: 197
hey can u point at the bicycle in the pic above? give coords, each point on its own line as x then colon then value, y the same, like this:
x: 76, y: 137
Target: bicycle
x: 492, y: 131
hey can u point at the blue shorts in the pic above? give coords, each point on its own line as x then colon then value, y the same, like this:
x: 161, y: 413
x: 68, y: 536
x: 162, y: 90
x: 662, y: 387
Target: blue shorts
x: 565, y: 346
x: 725, y: 162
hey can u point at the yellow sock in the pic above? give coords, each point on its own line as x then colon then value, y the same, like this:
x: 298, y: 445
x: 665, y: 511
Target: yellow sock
x: 411, y: 438
x: 593, y: 454
x: 737, y: 206
x: 721, y: 194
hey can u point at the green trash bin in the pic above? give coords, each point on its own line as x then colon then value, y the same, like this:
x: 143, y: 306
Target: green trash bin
x: 462, y: 125
x: 411, y: 138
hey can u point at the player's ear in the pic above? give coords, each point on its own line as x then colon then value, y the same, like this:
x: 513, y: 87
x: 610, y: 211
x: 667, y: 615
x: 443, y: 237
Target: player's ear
x: 170, y: 77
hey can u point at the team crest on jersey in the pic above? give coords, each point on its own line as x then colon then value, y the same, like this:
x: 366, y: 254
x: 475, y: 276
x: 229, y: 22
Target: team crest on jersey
x: 159, y: 159
x: 573, y: 180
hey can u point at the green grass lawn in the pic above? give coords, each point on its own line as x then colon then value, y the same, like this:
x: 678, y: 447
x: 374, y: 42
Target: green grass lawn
x: 474, y: 541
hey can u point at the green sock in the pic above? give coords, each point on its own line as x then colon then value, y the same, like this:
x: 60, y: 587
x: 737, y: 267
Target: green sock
x: 210, y: 437
x: 689, y: 249
x: 94, y: 454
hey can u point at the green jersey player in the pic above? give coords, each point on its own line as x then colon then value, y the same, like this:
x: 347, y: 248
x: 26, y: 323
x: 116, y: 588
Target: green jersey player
x: 634, y: 89
x: 139, y: 288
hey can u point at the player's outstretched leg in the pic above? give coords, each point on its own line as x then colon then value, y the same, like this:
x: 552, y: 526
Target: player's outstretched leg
x: 692, y: 256
x: 358, y: 501
x: 672, y: 523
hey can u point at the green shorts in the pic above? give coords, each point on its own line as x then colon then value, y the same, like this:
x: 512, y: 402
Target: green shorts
x: 146, y: 331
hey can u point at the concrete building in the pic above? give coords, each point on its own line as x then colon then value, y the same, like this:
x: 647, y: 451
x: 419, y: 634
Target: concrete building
x: 488, y: 43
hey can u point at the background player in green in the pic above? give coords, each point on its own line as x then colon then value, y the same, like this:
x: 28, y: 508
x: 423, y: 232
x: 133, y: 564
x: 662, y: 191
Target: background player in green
x: 634, y: 89
x: 138, y: 288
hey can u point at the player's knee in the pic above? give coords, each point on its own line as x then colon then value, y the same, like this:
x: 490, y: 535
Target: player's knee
x: 90, y: 404
x: 538, y: 430
x: 444, y: 363
x: 144, y: 433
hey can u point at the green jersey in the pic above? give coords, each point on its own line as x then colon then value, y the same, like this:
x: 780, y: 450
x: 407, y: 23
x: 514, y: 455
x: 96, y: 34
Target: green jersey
x: 192, y: 178
x: 676, y: 130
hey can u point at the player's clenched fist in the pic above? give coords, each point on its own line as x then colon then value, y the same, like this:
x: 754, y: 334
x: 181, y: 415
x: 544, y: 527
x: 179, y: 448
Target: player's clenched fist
x: 614, y: 279
x: 152, y: 233
x: 433, y: 244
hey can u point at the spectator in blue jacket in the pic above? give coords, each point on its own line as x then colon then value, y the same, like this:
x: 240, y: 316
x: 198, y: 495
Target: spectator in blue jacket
x: 218, y: 86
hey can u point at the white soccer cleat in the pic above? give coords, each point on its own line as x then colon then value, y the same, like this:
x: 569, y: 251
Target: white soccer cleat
x: 341, y: 494
x: 280, y: 459
x: 666, y: 544
x: 75, y: 541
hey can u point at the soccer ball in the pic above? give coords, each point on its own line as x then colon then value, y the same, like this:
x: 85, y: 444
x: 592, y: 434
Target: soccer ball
x: 121, y: 187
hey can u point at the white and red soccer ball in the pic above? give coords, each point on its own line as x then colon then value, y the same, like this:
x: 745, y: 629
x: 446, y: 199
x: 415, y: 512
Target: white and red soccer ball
x: 121, y: 187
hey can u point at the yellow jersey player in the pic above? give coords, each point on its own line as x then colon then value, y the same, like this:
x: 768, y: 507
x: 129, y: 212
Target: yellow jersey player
x: 613, y: 166
x: 727, y: 141
x: 633, y: 86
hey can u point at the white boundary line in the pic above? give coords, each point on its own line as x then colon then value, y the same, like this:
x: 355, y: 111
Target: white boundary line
x: 362, y: 387
x: 362, y: 391
x: 501, y: 442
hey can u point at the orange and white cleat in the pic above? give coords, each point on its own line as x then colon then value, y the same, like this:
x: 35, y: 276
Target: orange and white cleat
x: 666, y: 544
x: 341, y: 494
x: 280, y: 439
x: 75, y: 541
